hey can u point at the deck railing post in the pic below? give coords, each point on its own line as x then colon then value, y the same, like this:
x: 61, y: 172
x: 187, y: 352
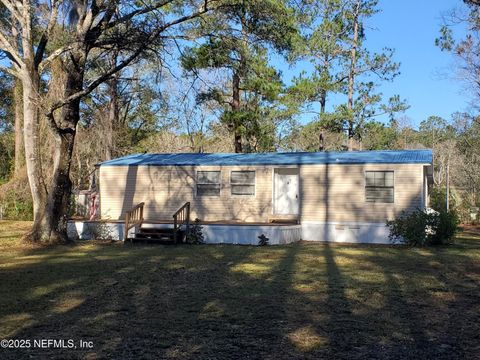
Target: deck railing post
x: 134, y: 217
x: 181, y: 217
x: 125, y: 235
x: 188, y: 218
x: 175, y: 228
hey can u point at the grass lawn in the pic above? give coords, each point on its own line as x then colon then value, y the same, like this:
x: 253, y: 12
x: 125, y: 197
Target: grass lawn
x: 222, y: 302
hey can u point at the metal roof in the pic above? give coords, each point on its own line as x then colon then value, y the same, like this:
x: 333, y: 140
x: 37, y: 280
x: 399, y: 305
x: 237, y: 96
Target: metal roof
x: 285, y: 158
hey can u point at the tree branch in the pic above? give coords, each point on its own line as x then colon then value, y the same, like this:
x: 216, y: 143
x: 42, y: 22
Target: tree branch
x: 9, y: 71
x: 47, y: 33
x: 13, y: 9
x: 141, y: 11
x: 52, y: 124
x: 101, y: 79
x: 53, y: 56
x: 10, y: 50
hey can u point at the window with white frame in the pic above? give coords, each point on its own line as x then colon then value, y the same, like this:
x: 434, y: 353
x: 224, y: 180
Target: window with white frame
x: 242, y: 183
x: 379, y: 186
x: 208, y: 183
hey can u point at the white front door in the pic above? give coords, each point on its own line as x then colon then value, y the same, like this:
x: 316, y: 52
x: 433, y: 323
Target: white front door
x: 285, y: 192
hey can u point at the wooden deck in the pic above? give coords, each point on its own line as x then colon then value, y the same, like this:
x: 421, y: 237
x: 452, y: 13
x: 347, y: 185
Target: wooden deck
x: 216, y: 222
x: 228, y: 222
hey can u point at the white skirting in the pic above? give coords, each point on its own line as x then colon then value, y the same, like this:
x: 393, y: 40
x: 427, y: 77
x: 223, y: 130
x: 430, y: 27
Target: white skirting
x: 347, y: 232
x: 88, y: 230
x: 248, y: 235
x: 213, y: 234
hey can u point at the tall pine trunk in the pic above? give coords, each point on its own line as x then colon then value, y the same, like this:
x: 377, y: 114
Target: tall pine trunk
x: 235, y: 111
x: 112, y: 118
x: 323, y: 105
x: 321, y: 136
x: 113, y: 109
x: 351, y: 78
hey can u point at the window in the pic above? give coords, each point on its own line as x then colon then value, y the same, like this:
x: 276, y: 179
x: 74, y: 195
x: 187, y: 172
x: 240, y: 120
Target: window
x: 208, y: 183
x: 379, y: 187
x: 242, y: 182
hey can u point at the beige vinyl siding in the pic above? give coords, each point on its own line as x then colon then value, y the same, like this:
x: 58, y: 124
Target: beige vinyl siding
x: 165, y: 189
x: 327, y: 193
x: 337, y: 192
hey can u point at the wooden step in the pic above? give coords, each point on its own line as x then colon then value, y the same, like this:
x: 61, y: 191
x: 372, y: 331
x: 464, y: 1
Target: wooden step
x: 152, y: 239
x: 155, y: 230
x: 156, y: 236
x: 159, y: 241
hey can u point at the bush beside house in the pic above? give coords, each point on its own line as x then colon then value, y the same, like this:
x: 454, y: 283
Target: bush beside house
x: 424, y: 227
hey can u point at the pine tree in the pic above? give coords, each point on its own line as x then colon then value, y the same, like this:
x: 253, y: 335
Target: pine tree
x: 334, y: 41
x: 362, y: 63
x: 237, y: 43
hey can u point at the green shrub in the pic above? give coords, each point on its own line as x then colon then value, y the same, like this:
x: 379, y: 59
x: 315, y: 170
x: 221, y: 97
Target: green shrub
x: 438, y: 198
x: 14, y: 209
x: 423, y: 227
x: 446, y: 227
x: 16, y: 200
x: 99, y: 231
x: 195, y: 234
x: 408, y: 228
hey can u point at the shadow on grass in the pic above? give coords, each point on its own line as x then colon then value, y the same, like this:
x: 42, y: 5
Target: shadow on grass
x: 147, y: 301
x: 296, y: 301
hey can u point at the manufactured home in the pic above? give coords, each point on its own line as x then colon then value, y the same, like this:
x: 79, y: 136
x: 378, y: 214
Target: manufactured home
x: 317, y: 196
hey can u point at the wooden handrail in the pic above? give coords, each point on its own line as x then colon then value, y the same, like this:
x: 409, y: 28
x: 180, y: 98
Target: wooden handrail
x: 180, y: 218
x: 133, y: 218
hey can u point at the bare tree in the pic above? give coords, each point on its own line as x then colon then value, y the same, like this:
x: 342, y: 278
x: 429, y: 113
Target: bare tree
x: 94, y: 29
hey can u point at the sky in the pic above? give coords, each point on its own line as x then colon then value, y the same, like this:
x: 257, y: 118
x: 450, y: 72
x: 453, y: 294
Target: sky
x: 427, y: 75
x: 426, y: 80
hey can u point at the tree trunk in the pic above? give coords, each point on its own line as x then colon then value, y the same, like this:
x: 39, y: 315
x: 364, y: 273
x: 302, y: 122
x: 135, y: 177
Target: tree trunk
x: 323, y: 92
x: 50, y: 225
x: 18, y: 110
x: 321, y: 141
x: 321, y: 138
x: 30, y: 84
x: 30, y: 78
x: 18, y: 113
x: 61, y: 188
x: 112, y: 119
x: 54, y: 229
x: 351, y: 77
x: 235, y: 111
x: 323, y: 101
x: 113, y: 109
